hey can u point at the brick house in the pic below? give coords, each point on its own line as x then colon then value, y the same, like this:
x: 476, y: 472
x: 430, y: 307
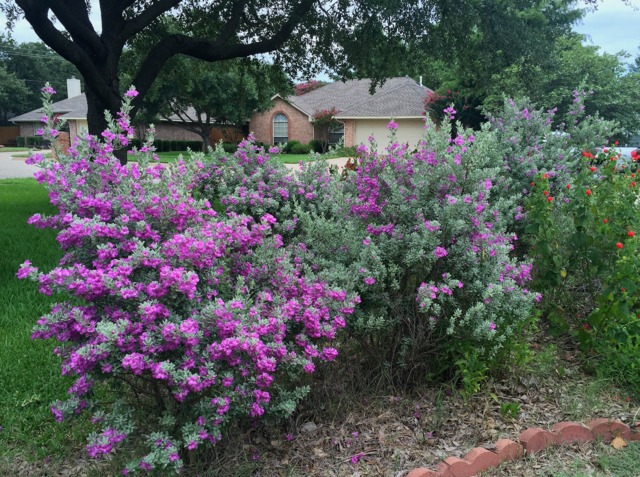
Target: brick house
x: 74, y: 111
x: 360, y: 113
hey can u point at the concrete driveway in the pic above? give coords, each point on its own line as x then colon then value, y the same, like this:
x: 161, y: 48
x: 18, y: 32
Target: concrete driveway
x: 339, y: 161
x: 14, y: 168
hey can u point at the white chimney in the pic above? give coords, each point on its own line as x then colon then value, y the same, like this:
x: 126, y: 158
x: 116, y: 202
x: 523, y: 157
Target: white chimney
x: 73, y: 87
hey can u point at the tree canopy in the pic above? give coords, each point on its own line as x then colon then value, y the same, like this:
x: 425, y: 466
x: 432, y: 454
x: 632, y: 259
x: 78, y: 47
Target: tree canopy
x: 27, y: 67
x: 303, y: 36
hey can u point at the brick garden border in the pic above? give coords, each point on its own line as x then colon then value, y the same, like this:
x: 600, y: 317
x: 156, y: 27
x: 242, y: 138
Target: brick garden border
x: 531, y: 441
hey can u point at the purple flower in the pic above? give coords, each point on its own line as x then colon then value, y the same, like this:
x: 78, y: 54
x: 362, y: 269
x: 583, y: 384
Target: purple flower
x: 440, y: 252
x: 392, y: 125
x: 450, y: 112
x: 369, y: 281
x: 492, y: 326
x: 132, y: 93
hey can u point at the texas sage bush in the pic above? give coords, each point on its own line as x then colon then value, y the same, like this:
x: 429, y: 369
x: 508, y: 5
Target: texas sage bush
x: 194, y: 321
x: 415, y: 234
x: 529, y: 141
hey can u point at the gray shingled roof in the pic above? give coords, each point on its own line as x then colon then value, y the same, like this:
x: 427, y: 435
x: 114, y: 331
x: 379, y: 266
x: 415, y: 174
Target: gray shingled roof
x: 70, y: 108
x: 397, y: 97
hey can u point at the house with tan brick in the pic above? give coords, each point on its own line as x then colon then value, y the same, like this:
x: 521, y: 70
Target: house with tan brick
x: 360, y: 113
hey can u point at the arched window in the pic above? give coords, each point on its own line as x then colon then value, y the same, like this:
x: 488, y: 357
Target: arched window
x: 280, y: 129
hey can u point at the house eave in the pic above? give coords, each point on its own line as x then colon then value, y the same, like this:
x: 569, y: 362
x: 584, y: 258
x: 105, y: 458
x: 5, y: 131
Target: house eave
x: 380, y: 117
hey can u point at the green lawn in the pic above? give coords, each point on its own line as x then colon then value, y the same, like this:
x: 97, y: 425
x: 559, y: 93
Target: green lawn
x: 13, y: 149
x: 284, y: 158
x: 29, y: 372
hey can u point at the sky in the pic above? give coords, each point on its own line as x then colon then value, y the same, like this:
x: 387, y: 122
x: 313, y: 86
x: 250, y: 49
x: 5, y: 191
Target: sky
x: 613, y: 26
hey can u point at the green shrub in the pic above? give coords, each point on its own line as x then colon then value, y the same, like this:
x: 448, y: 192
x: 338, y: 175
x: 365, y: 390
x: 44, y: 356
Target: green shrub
x: 174, y: 145
x: 157, y: 144
x: 301, y: 149
x: 289, y: 146
x: 195, y: 146
x: 31, y: 141
x: 583, y: 241
x: 346, y: 151
x: 316, y: 145
x: 229, y: 148
x: 20, y: 141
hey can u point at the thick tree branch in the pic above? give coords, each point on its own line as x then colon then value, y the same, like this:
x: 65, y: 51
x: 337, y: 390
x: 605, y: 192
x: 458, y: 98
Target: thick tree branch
x: 111, y: 14
x: 36, y: 15
x: 211, y: 50
x: 74, y: 16
x: 144, y: 19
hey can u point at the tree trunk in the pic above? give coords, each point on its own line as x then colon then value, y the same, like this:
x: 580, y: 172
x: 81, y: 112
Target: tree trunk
x: 206, y: 141
x: 96, y: 120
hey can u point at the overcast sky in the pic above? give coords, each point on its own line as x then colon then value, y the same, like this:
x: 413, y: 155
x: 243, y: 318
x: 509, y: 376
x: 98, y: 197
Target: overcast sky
x: 614, y: 26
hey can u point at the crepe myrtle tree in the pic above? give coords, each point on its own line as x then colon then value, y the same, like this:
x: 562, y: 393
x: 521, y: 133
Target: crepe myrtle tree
x: 303, y: 35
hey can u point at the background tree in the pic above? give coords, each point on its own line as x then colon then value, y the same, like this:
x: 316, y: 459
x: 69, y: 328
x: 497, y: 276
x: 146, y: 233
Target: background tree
x: 305, y: 36
x: 35, y: 64
x: 325, y: 120
x: 214, y: 95
x: 13, y: 94
x: 614, y: 91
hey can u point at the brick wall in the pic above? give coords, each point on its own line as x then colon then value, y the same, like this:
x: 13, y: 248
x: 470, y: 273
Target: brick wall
x: 73, y: 132
x: 63, y: 141
x: 349, y: 132
x: 300, y: 129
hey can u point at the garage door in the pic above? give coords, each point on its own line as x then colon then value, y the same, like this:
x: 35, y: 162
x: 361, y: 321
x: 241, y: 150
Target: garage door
x: 409, y: 131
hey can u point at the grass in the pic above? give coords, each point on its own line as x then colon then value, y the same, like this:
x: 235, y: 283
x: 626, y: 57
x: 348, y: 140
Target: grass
x: 29, y: 372
x: 586, y: 460
x: 284, y: 158
x: 14, y: 149
x: 173, y: 155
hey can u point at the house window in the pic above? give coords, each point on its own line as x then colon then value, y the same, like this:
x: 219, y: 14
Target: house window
x: 336, y: 133
x: 280, y: 129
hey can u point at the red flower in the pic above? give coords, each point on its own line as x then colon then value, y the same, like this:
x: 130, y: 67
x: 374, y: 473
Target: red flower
x: 592, y: 169
x: 546, y: 176
x: 586, y: 327
x: 633, y: 184
x: 631, y: 233
x: 605, y: 150
x: 532, y: 184
x: 568, y: 186
x: 549, y: 199
x: 616, y: 143
x: 606, y: 221
x: 619, y: 245
x: 546, y: 192
x: 588, y: 191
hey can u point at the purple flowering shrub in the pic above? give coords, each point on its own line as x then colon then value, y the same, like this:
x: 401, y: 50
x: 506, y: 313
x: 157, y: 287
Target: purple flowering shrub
x: 529, y: 141
x: 416, y: 234
x: 195, y: 321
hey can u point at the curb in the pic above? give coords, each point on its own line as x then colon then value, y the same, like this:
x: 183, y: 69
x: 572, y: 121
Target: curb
x: 530, y: 441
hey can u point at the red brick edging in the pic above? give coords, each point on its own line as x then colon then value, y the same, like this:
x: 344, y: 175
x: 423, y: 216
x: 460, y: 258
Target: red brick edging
x: 531, y: 441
